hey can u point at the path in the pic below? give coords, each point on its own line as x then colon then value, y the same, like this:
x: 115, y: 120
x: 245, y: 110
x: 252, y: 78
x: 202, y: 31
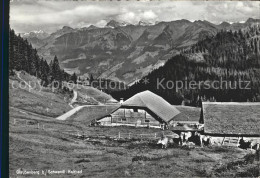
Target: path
x: 70, y: 113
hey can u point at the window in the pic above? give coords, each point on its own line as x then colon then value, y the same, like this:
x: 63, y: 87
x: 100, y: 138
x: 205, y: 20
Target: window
x: 135, y: 110
x: 146, y: 120
x: 123, y: 119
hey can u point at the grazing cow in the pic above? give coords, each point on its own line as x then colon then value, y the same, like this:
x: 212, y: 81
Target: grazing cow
x: 195, y: 138
x: 163, y: 141
x: 184, y: 137
x: 244, y: 144
x: 201, y: 140
x: 205, y: 140
x: 256, y: 146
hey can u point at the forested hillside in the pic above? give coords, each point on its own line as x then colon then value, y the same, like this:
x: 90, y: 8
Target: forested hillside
x: 232, y: 56
x: 22, y: 56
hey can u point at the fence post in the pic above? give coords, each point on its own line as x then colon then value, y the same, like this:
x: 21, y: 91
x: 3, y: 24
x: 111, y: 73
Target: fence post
x: 223, y: 141
x: 38, y: 126
x: 155, y: 135
x: 238, y: 141
x: 129, y: 135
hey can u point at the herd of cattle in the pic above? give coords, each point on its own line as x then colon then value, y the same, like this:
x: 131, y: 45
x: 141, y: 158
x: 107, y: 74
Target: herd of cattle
x: 195, y: 138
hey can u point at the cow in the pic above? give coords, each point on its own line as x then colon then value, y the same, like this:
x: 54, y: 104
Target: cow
x: 201, y: 140
x: 205, y: 140
x: 249, y: 143
x: 195, y: 138
x: 244, y: 144
x: 256, y: 146
x: 184, y: 137
x: 163, y: 141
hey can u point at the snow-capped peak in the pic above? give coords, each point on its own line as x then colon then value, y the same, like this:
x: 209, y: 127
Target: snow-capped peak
x: 36, y: 33
x: 142, y: 23
x: 114, y: 24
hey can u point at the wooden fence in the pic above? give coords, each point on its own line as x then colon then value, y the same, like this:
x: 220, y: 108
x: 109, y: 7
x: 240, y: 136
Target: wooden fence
x: 81, y: 134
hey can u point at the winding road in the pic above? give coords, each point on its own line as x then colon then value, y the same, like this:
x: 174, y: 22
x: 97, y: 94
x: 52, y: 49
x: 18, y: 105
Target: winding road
x: 70, y: 113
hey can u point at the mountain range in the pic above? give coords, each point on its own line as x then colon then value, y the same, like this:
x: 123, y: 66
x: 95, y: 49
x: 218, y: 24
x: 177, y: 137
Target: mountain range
x: 123, y: 51
x: 223, y: 68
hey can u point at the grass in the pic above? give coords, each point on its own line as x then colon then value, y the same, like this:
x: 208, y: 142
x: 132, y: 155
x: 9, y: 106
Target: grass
x: 93, y: 94
x: 45, y: 102
x: 33, y: 148
x: 248, y: 166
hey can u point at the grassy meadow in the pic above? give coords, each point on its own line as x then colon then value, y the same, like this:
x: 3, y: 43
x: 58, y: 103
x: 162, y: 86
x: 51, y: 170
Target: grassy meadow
x: 38, y: 141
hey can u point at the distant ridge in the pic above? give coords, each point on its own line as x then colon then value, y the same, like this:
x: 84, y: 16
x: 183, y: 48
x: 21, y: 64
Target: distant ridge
x: 122, y: 51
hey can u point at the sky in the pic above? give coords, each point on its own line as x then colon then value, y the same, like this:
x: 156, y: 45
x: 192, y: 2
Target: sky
x: 49, y: 16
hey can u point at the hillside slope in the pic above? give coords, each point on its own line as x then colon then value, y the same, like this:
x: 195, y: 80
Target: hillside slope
x: 36, y: 99
x: 124, y: 51
x: 232, y: 57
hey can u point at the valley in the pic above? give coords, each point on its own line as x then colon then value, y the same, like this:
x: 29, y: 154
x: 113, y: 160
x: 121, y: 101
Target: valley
x: 133, y: 89
x: 121, y: 51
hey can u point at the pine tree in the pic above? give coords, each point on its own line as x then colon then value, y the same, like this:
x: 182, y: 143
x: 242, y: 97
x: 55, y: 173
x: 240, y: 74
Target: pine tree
x: 91, y: 79
x: 74, y: 78
x: 24, y: 57
x: 55, y: 69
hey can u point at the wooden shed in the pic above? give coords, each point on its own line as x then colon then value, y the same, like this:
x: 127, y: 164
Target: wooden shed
x: 143, y: 109
x: 230, y: 121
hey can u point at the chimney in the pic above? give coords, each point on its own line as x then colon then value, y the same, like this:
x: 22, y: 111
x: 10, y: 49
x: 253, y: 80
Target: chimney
x: 121, y: 100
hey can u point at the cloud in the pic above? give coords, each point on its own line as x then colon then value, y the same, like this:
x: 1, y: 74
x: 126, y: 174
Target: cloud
x: 134, y: 17
x: 128, y: 17
x: 30, y: 15
x: 101, y: 23
x: 233, y: 11
x: 76, y: 14
x: 149, y: 15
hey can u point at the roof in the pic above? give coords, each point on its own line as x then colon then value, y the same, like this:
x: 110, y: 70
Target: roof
x: 92, y: 112
x: 231, y: 118
x: 187, y: 113
x: 154, y: 103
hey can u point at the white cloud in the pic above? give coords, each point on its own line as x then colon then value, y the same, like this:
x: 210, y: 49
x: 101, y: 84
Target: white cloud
x: 128, y: 17
x: 149, y: 15
x: 139, y: 15
x: 101, y: 23
x: 49, y: 15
